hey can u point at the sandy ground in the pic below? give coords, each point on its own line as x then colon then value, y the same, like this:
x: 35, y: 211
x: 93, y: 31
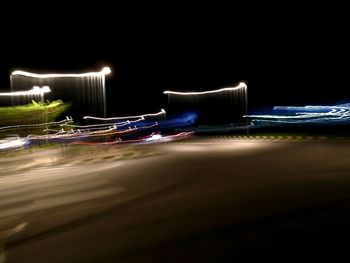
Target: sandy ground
x: 213, y: 201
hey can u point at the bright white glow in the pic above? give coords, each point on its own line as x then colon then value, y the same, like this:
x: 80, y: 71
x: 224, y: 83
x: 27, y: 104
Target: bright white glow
x: 34, y: 91
x: 154, y: 137
x: 46, y: 89
x: 241, y: 85
x: 106, y: 70
x: 103, y: 72
x: 11, y: 143
x: 162, y: 112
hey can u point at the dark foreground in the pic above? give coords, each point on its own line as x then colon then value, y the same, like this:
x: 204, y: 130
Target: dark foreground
x: 212, y: 201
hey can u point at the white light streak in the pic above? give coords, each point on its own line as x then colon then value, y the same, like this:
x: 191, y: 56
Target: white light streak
x: 103, y: 72
x: 154, y: 137
x: 162, y: 112
x: 301, y: 115
x: 115, y: 125
x: 67, y: 120
x: 12, y: 143
x: 241, y: 85
x: 34, y: 91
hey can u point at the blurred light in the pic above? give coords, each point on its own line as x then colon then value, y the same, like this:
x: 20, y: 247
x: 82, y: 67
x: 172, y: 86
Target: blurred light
x: 162, y: 112
x: 318, y: 114
x: 12, y: 143
x: 106, y: 70
x: 66, y: 120
x: 154, y: 137
x: 103, y: 72
x: 241, y: 85
x: 46, y: 89
x: 34, y: 91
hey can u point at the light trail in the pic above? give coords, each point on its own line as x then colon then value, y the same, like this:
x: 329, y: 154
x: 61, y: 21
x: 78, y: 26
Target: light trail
x: 67, y: 120
x: 241, y: 85
x: 11, y: 143
x: 34, y: 91
x: 76, y: 135
x: 303, y: 115
x: 161, y: 113
x: 103, y: 72
x: 153, y: 138
x: 118, y: 124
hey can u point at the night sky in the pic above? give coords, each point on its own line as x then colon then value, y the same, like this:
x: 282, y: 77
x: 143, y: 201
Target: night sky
x: 294, y: 56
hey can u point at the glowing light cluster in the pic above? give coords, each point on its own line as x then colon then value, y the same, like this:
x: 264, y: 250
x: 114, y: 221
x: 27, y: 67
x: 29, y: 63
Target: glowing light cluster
x: 66, y: 132
x: 241, y: 85
x: 104, y: 134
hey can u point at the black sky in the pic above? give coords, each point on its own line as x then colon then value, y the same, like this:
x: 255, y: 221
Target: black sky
x: 287, y: 55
